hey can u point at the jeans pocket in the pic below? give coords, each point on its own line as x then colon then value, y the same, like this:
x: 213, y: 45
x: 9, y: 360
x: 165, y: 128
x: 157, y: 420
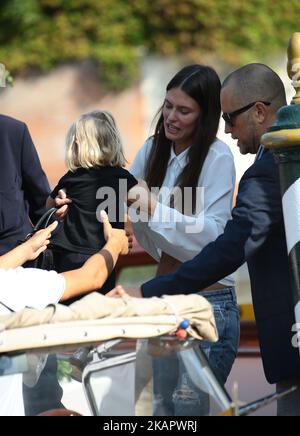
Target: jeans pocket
x: 221, y: 316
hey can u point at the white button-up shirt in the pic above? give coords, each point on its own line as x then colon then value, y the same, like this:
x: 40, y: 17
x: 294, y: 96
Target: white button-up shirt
x: 184, y: 236
x: 22, y: 288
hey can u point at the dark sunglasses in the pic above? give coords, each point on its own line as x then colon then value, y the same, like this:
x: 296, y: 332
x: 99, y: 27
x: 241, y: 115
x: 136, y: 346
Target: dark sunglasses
x: 229, y: 116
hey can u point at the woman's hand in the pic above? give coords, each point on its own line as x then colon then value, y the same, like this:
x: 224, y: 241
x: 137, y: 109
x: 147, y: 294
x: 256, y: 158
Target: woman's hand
x: 38, y: 242
x: 117, y: 235
x: 140, y: 197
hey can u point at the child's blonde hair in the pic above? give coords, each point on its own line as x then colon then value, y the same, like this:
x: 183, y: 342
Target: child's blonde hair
x: 94, y: 140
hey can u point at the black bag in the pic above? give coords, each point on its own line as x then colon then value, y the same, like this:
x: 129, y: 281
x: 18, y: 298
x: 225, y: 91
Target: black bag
x: 45, y: 259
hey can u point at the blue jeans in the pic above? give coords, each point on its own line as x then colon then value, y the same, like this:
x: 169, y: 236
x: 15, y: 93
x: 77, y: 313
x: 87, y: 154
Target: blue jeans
x: 174, y: 392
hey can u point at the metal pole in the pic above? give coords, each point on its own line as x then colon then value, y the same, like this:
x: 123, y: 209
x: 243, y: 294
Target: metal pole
x: 284, y: 139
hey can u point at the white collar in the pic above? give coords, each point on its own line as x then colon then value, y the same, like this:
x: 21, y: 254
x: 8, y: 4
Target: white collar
x: 181, y: 158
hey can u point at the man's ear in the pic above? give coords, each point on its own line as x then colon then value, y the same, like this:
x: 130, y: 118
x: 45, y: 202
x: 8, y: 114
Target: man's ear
x: 260, y: 112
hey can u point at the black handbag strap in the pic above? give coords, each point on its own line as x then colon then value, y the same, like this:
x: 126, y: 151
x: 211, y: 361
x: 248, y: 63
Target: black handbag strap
x: 44, y: 221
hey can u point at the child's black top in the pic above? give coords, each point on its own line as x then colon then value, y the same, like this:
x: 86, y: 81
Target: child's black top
x: 91, y: 190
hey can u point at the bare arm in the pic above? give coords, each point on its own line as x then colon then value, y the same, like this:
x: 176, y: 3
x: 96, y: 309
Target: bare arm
x: 93, y: 274
x: 29, y: 250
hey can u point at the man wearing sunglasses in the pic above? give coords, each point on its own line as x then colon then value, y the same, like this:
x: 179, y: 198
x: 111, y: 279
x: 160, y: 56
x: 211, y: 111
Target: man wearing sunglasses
x: 250, y: 98
x: 228, y: 117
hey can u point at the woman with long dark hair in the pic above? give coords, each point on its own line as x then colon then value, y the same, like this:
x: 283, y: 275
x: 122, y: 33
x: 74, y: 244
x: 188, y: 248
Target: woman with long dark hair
x: 195, y: 174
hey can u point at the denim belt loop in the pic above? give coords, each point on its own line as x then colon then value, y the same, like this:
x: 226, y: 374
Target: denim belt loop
x: 228, y: 294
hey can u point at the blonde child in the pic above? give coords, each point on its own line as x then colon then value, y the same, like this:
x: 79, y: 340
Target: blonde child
x: 96, y: 180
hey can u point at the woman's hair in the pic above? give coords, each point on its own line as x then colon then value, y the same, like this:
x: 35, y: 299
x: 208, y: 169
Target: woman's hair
x: 93, y: 141
x: 203, y: 85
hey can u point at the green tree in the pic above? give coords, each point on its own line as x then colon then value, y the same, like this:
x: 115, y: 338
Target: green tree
x: 39, y: 34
